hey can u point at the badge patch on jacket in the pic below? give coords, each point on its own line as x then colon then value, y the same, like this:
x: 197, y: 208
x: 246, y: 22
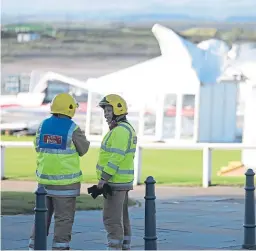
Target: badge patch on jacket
x: 52, y: 139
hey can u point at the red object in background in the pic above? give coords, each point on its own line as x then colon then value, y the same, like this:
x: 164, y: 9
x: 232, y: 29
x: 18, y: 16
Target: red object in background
x: 9, y: 105
x: 170, y: 111
x: 82, y: 107
x: 188, y: 112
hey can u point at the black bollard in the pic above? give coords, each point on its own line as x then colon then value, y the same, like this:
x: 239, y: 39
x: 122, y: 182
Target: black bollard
x: 40, y: 219
x: 150, y: 238
x: 249, y: 213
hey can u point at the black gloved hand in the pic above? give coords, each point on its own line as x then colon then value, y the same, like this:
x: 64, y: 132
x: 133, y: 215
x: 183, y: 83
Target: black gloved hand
x: 107, y: 190
x: 91, y: 189
x: 94, y: 191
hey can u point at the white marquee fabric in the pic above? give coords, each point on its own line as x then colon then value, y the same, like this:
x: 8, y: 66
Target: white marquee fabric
x: 246, y: 62
x: 215, y: 46
x: 151, y: 77
x: 207, y: 64
x: 181, y: 68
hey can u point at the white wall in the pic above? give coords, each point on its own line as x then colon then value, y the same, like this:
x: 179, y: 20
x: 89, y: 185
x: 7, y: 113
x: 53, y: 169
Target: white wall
x: 217, y: 113
x: 249, y: 130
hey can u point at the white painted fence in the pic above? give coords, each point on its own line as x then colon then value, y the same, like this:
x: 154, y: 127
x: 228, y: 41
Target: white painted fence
x: 206, y: 147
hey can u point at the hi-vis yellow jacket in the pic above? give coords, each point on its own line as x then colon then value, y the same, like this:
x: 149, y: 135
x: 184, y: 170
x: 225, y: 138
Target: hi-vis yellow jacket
x: 58, y: 161
x: 116, y: 156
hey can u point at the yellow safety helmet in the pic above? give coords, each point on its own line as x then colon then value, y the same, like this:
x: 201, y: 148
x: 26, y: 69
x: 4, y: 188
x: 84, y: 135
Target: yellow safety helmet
x: 65, y: 104
x: 118, y: 103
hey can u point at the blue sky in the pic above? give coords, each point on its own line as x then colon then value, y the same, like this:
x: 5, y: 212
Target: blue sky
x: 219, y: 9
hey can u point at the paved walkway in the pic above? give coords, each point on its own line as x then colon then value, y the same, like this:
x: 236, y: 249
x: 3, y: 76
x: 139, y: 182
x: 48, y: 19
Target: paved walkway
x: 187, y: 218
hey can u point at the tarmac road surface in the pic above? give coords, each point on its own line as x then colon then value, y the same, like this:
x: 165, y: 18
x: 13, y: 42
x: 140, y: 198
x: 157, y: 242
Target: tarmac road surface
x: 187, y: 219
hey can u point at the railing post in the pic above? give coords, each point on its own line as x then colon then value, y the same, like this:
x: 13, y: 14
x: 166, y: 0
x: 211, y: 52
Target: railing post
x: 150, y: 238
x: 137, y: 166
x: 249, y: 212
x: 40, y: 219
x: 207, y: 166
x: 2, y: 161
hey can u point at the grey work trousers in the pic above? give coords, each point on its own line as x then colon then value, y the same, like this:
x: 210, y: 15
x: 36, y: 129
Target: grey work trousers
x: 116, y: 221
x: 63, y: 209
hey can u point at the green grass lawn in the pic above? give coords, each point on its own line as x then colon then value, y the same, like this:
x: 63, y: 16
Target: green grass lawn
x: 175, y: 167
x: 13, y: 203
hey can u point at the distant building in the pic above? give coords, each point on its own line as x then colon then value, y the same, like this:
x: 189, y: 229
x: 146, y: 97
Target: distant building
x: 13, y: 84
x: 27, y: 37
x: 27, y: 32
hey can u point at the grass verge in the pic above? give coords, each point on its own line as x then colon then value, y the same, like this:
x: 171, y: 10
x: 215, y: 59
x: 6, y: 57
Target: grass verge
x: 168, y: 167
x: 13, y: 203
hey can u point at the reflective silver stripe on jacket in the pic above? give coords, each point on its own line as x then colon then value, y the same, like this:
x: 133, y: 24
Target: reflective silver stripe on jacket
x: 58, y: 177
x: 68, y: 149
x: 129, y: 149
x: 112, y: 150
x: 73, y: 192
x: 113, y: 166
x: 60, y: 244
x: 118, y: 151
x: 100, y: 168
x: 56, y: 151
x: 115, y: 150
x: 130, y: 135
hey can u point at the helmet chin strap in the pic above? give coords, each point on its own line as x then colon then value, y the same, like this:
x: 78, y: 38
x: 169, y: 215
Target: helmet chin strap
x: 112, y: 125
x: 115, y: 121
